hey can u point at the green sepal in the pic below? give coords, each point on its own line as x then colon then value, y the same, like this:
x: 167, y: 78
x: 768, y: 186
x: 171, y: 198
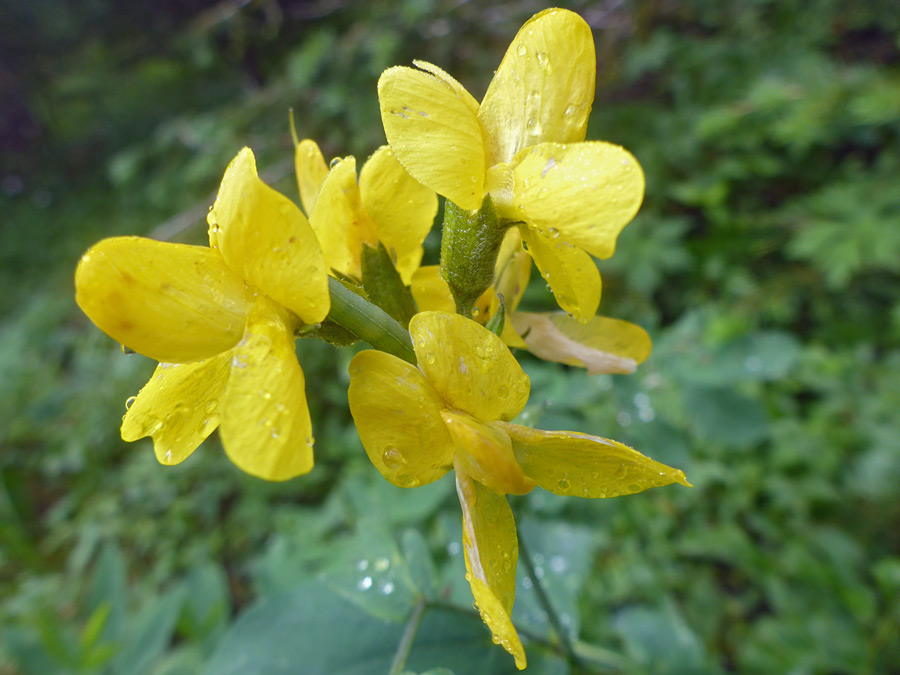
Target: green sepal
x: 330, y: 332
x: 470, y: 244
x: 368, y: 321
x: 495, y: 323
x: 383, y: 284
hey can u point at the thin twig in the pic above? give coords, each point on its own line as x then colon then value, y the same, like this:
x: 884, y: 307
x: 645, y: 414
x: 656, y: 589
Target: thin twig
x: 547, y: 605
x: 409, y: 634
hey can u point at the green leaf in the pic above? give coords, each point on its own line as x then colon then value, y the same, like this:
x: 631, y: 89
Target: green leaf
x: 562, y: 555
x: 419, y: 561
x: 313, y: 631
x: 150, y: 633
x: 660, y: 641
x: 368, y: 570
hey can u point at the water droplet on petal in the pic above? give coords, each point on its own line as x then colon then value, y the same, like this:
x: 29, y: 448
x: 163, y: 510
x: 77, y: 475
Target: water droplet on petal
x: 563, y: 484
x: 392, y: 458
x: 365, y: 583
x: 335, y: 163
x: 521, y: 50
x: 130, y: 402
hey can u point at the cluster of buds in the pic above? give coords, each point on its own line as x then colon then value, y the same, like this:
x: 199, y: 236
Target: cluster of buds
x: 440, y: 388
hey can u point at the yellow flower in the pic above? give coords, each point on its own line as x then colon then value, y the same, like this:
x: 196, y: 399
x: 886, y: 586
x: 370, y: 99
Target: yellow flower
x: 602, y: 345
x: 220, y: 320
x: 386, y: 205
x: 454, y: 411
x: 524, y: 145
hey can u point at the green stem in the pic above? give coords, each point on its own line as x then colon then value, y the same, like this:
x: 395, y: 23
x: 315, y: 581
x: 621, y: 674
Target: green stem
x: 544, y: 600
x: 406, y: 642
x: 369, y: 322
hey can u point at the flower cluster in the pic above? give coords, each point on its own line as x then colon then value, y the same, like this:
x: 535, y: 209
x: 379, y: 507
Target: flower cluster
x: 441, y: 388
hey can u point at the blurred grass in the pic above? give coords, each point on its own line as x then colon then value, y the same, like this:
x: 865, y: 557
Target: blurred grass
x: 764, y: 263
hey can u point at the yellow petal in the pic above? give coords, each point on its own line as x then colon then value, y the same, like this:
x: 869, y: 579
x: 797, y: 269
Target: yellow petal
x: 267, y: 240
x: 513, y: 270
x: 446, y: 77
x: 266, y: 429
x: 491, y: 551
x: 434, y: 133
x: 585, y: 193
x: 398, y: 417
x: 403, y: 209
x: 570, y: 272
x: 171, y: 302
x: 339, y: 220
x: 569, y: 463
x: 469, y: 366
x: 178, y: 407
x: 485, y: 453
x: 311, y: 170
x: 544, y: 87
x: 602, y: 345
x: 430, y: 291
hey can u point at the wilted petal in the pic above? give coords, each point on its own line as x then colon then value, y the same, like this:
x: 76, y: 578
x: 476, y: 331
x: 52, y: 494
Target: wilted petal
x: 403, y: 209
x: 311, y: 170
x: 570, y: 463
x: 544, y: 87
x: 469, y: 366
x: 485, y: 453
x: 398, y: 417
x: 434, y: 133
x: 267, y: 240
x: 585, y: 193
x: 602, y: 345
x: 339, y: 220
x: 171, y: 302
x: 570, y: 272
x: 266, y: 429
x: 178, y: 407
x: 491, y: 551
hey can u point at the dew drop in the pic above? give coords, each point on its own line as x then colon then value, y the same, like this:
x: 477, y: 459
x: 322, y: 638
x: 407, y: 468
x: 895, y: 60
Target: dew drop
x: 521, y: 50
x: 408, y: 481
x: 168, y: 456
x: 388, y: 587
x: 542, y: 59
x: 130, y: 402
x: 382, y: 564
x: 503, y: 391
x: 429, y: 358
x: 335, y: 163
x: 621, y: 472
x: 362, y: 565
x: 211, y: 406
x: 563, y: 484
x: 553, y: 232
x: 265, y: 394
x: 365, y: 583
x: 392, y: 458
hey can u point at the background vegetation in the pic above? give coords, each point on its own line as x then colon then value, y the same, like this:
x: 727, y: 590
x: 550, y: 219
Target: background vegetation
x: 765, y: 263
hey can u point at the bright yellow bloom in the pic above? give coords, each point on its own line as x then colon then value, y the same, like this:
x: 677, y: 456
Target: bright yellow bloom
x: 387, y: 205
x: 602, y: 345
x: 454, y: 411
x: 220, y: 320
x: 524, y: 145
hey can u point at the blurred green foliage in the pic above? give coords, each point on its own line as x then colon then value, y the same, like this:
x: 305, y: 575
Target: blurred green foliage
x: 764, y: 263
